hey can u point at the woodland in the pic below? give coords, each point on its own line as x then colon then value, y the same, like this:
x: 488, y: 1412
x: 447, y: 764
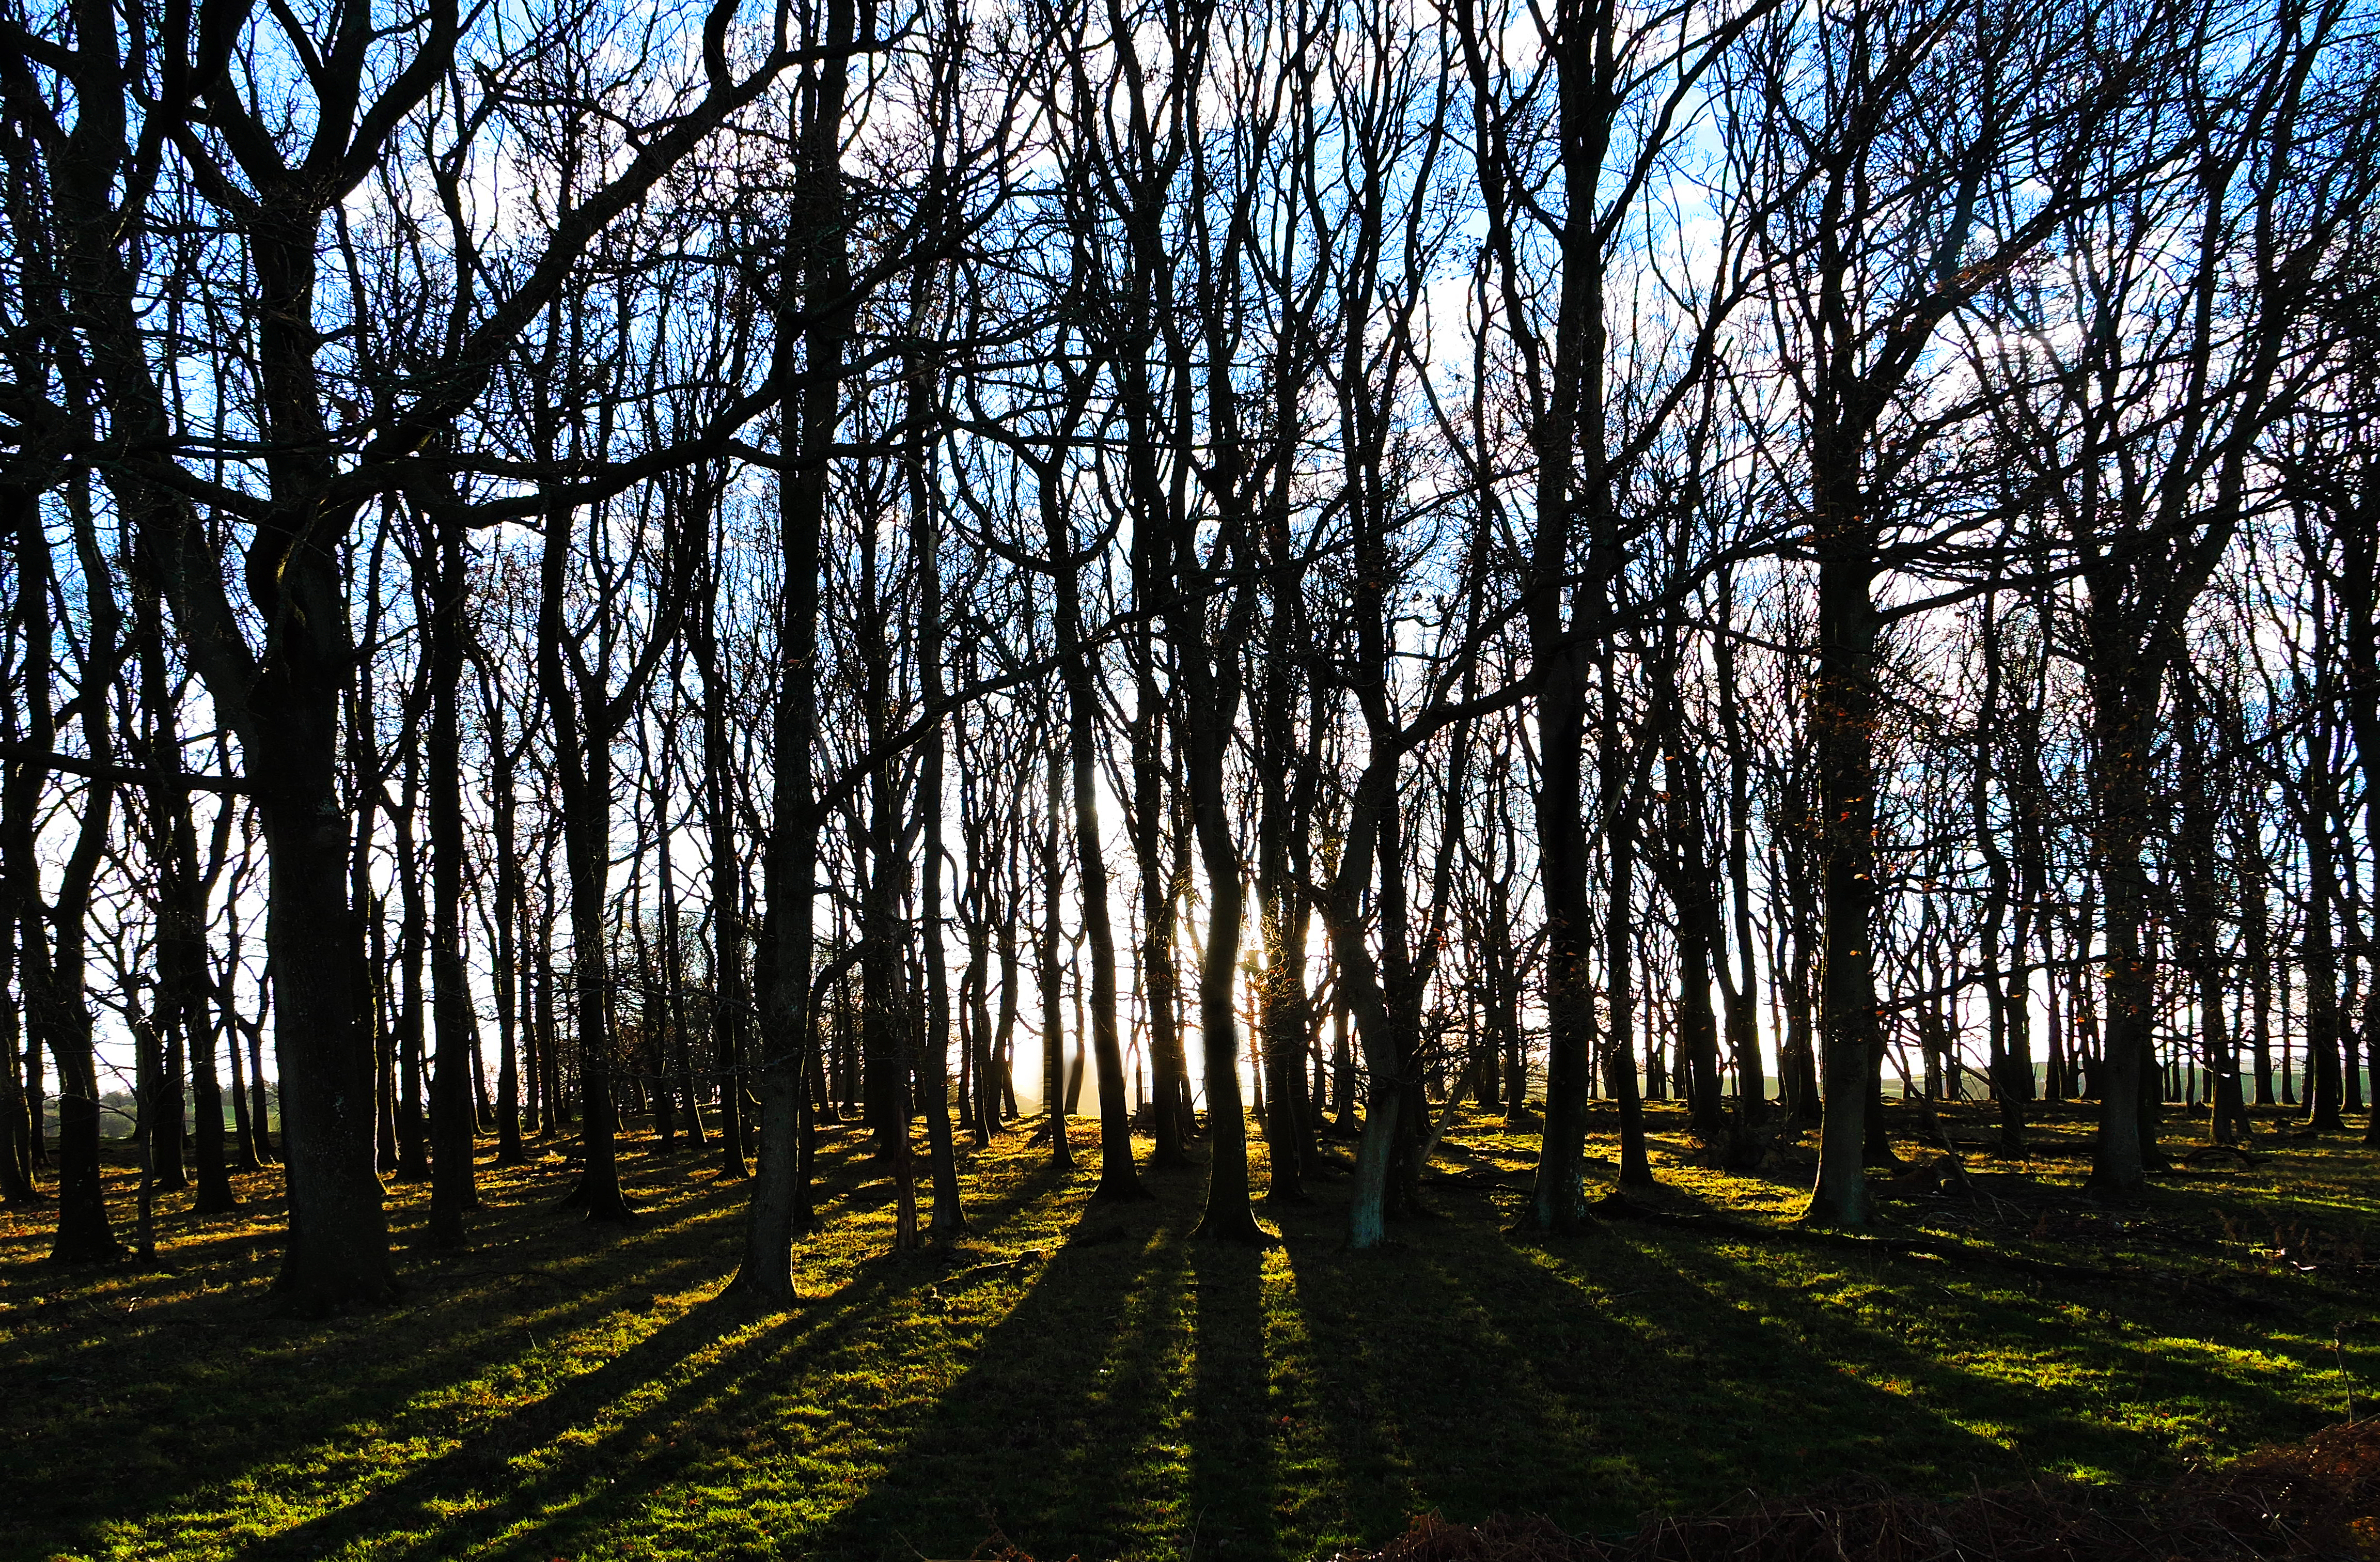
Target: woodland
x: 1131, y: 778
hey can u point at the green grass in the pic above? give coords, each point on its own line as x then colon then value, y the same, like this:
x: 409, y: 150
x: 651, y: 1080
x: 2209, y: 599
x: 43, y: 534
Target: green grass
x: 1092, y: 1383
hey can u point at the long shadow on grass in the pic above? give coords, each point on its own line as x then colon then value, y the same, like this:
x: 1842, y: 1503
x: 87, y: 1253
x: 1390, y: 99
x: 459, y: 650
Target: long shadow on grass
x: 1045, y: 1436
x: 2006, y: 1311
x: 1590, y: 1380
x: 384, y: 1370
x: 1427, y: 1402
x: 315, y: 1379
x: 1739, y: 1380
x: 791, y: 1431
x: 417, y: 1506
x: 1233, y: 1474
x: 571, y: 1462
x: 1969, y: 1334
x: 1737, y: 1376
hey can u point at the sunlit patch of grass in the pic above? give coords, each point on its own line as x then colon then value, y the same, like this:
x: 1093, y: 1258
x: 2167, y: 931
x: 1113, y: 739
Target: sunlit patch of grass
x: 1089, y: 1381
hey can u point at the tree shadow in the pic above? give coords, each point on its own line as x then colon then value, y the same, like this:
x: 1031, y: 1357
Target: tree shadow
x: 571, y: 1464
x: 440, y: 1506
x: 1095, y: 1382
x: 1234, y: 1427
x: 1599, y: 1378
x: 453, y: 1361
x: 1977, y: 1357
x: 213, y: 1386
x: 1042, y: 1436
x: 1425, y: 1401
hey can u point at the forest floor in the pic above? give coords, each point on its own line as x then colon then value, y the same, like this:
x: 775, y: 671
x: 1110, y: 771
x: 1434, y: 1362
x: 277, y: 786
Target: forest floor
x: 1079, y: 1380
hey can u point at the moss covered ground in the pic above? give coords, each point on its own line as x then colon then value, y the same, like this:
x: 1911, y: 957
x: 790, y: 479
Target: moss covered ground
x: 1081, y: 1381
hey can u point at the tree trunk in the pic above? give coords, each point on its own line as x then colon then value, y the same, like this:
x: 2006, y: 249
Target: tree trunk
x: 52, y: 954
x: 1053, y: 1024
x: 503, y: 810
x: 2317, y: 801
x: 412, y: 938
x: 582, y: 761
x: 949, y: 1218
x: 453, y: 1191
x: 816, y: 280
x: 2120, y: 798
x: 1842, y: 716
x: 730, y: 1006
x: 1119, y: 1180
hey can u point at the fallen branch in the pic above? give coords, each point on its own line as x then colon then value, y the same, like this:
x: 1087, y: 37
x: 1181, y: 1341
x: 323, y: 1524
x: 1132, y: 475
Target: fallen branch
x: 1032, y: 1256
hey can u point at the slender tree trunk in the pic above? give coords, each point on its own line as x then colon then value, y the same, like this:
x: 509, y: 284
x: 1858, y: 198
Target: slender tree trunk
x: 503, y: 812
x: 244, y: 1144
x: 2317, y: 801
x: 730, y: 1004
x: 1741, y: 995
x: 1618, y: 969
x: 1119, y: 1179
x: 181, y: 923
x: 2010, y: 1066
x: 949, y: 1218
x: 582, y: 752
x: 2358, y: 595
x: 1053, y: 1025
x: 17, y: 1186
x: 412, y: 938
x: 453, y: 1191
x: 50, y: 959
x: 1213, y: 707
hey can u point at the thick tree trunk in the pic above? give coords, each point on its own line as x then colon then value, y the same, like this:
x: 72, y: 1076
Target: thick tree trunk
x: 1842, y: 714
x: 2120, y: 1157
x: 816, y: 278
x: 338, y: 1237
x: 1557, y: 1197
x: 1370, y: 993
x: 1281, y: 912
x: 587, y: 851
x: 284, y: 704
